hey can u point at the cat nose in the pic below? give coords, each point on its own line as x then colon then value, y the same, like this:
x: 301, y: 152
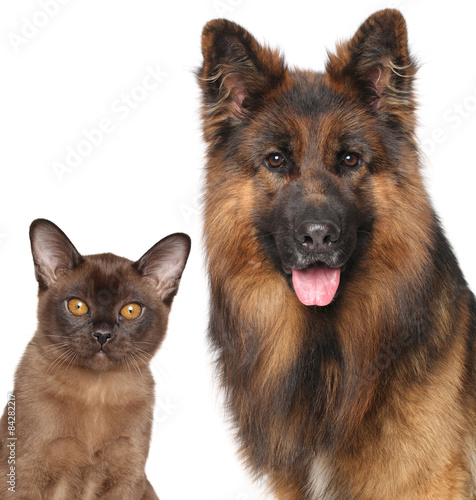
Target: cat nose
x: 102, y: 338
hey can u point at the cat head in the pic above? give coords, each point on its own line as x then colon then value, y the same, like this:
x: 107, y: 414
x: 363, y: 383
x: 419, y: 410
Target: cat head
x: 103, y: 312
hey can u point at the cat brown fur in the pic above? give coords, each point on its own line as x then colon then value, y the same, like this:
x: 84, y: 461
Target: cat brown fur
x: 83, y: 420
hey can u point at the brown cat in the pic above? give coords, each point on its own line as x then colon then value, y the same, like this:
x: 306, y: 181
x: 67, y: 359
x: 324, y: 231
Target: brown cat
x: 78, y: 423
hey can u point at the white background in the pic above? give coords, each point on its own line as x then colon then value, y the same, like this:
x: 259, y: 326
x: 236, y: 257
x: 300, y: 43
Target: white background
x: 141, y: 181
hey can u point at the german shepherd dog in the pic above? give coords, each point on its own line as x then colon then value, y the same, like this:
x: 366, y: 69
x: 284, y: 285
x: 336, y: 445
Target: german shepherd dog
x: 344, y: 330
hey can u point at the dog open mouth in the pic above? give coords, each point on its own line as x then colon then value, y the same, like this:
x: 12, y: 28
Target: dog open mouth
x: 315, y: 285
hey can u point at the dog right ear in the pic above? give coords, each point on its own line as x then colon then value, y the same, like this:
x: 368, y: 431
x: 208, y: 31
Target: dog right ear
x: 237, y: 71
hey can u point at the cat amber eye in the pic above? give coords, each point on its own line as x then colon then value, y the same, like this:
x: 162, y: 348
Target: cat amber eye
x: 78, y: 307
x: 131, y: 311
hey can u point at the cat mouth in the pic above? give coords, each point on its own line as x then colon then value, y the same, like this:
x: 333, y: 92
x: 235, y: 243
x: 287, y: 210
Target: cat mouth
x: 101, y: 358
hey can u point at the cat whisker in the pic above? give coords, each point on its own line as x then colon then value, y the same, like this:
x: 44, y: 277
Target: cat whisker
x: 145, y: 354
x: 155, y: 365
x: 126, y: 362
x: 65, y: 358
x: 141, y: 357
x: 69, y: 356
x: 60, y: 359
x: 136, y: 365
x: 55, y: 346
x: 52, y: 347
x: 57, y: 351
x: 73, y: 358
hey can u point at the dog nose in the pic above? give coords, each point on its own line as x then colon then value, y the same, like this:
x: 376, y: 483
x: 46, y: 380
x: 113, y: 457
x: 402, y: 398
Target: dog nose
x: 317, y: 236
x: 102, y: 338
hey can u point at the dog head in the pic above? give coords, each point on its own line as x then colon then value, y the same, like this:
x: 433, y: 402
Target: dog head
x: 308, y: 146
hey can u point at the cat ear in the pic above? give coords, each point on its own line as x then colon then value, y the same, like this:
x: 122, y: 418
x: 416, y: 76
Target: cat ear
x: 53, y: 253
x: 376, y: 65
x: 237, y: 72
x: 164, y: 264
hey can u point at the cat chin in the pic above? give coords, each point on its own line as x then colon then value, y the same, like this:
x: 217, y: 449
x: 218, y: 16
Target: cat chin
x: 99, y: 361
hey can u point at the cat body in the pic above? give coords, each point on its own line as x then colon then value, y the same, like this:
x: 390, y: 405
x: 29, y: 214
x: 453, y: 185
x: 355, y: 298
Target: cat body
x: 84, y: 393
x: 78, y: 430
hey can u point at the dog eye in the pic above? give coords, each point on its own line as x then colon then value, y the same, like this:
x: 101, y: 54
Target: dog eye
x: 352, y: 160
x: 274, y: 161
x: 77, y: 307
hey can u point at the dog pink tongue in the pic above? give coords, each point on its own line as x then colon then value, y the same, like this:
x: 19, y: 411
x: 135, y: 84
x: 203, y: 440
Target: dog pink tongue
x: 316, y: 286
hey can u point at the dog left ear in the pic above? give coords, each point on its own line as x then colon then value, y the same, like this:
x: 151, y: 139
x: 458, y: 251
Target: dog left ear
x: 376, y: 64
